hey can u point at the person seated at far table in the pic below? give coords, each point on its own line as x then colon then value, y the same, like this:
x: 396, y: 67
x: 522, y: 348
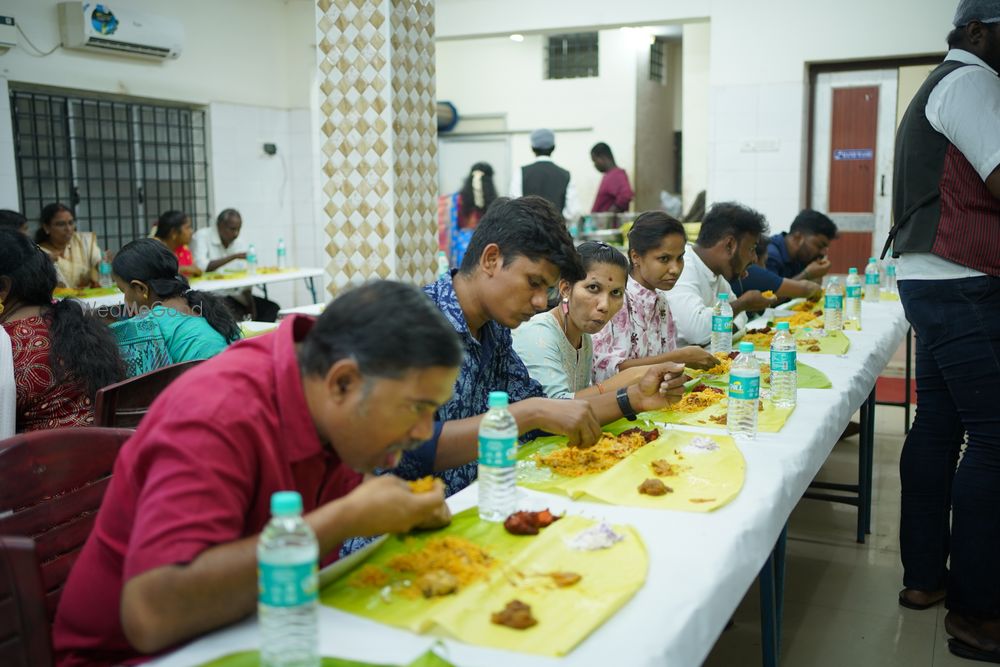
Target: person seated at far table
x: 13, y: 220
x: 800, y: 253
x: 725, y: 247
x: 760, y: 278
x: 171, y: 322
x: 61, y: 354
x: 174, y: 230
x: 556, y: 345
x: 309, y: 408
x: 76, y: 254
x: 643, y: 330
x: 219, y: 246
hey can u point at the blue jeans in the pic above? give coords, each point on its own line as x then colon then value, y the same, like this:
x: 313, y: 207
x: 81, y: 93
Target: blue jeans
x: 957, y: 324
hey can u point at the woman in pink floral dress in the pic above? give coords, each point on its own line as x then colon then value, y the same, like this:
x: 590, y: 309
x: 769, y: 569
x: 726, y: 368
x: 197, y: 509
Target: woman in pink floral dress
x: 643, y: 332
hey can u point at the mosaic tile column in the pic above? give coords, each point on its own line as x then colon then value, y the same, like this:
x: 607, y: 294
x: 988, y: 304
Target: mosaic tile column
x: 379, y: 139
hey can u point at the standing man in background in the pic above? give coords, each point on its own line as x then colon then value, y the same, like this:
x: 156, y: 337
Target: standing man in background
x: 615, y: 194
x: 545, y: 178
x: 946, y: 203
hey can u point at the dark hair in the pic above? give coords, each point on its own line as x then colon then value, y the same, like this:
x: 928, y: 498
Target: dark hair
x: 225, y: 214
x: 153, y: 264
x: 730, y: 219
x: 599, y: 252
x: 649, y: 230
x: 762, y: 243
x: 48, y: 213
x: 387, y: 327
x: 525, y: 227
x: 543, y: 151
x: 489, y: 190
x: 811, y: 222
x: 601, y: 149
x: 83, y: 349
x: 168, y: 222
x: 956, y: 37
x: 12, y: 219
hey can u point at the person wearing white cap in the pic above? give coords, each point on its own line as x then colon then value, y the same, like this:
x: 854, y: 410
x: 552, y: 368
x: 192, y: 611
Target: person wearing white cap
x: 946, y: 204
x: 545, y: 178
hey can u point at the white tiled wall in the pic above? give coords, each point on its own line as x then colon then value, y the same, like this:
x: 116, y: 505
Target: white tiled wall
x: 756, y: 135
x: 8, y: 169
x: 274, y: 194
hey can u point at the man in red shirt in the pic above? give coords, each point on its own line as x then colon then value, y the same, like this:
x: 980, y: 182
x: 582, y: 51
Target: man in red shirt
x: 308, y: 408
x: 614, y: 193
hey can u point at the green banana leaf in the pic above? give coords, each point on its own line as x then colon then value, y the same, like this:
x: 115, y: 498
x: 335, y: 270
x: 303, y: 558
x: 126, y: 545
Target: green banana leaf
x: 252, y: 659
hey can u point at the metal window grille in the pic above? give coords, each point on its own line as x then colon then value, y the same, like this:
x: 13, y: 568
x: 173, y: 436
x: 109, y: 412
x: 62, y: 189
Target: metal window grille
x: 656, y: 61
x: 571, y: 55
x: 117, y: 164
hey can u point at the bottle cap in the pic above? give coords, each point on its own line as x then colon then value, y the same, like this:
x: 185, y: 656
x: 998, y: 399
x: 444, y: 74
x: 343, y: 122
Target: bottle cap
x: 746, y: 347
x: 723, y: 296
x: 783, y: 326
x: 853, y: 271
x: 498, y: 399
x: 286, y: 503
x: 871, y: 260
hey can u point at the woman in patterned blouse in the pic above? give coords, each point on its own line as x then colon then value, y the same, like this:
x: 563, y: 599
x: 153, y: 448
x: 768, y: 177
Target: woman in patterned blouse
x: 62, y: 355
x: 643, y: 332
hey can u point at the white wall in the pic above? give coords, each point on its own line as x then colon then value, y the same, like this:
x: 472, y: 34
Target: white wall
x: 695, y: 46
x: 497, y: 75
x: 758, y: 63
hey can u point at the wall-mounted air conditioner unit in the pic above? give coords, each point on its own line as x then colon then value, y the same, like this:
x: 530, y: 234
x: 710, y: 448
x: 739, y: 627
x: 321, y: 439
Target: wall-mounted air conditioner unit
x: 99, y: 27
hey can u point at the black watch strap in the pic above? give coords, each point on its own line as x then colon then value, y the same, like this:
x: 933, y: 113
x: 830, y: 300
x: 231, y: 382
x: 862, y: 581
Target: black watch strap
x: 624, y: 404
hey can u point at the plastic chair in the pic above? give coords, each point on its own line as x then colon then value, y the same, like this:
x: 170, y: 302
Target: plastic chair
x: 53, y: 484
x: 122, y: 405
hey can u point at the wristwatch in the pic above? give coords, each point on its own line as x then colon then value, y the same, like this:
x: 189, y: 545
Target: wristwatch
x: 624, y: 404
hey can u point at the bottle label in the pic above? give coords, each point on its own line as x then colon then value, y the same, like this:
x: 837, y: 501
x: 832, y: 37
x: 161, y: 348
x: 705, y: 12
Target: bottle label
x: 833, y: 302
x: 744, y: 387
x: 854, y: 291
x: 871, y: 279
x: 722, y: 324
x: 287, y: 585
x: 782, y: 360
x: 890, y: 270
x: 498, y: 452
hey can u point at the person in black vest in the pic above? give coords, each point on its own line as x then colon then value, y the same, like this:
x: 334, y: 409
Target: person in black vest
x: 545, y: 178
x: 946, y: 204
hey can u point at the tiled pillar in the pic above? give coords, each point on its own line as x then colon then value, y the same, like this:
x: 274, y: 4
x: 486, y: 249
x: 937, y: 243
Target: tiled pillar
x: 379, y: 138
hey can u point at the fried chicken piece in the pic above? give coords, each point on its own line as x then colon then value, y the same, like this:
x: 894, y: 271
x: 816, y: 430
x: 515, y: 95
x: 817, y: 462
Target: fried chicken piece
x: 564, y: 579
x: 516, y: 615
x: 648, y: 436
x: 528, y: 523
x: 436, y: 583
x: 664, y: 468
x: 654, y: 487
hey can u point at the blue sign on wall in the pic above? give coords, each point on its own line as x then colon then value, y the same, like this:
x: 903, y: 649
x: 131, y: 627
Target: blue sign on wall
x: 853, y: 154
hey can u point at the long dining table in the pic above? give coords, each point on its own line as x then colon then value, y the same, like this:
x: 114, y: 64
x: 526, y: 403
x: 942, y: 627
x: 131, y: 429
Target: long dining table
x: 700, y: 564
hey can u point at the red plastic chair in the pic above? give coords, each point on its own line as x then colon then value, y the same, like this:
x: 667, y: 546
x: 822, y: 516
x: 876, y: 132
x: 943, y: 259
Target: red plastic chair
x: 123, y: 404
x: 53, y: 484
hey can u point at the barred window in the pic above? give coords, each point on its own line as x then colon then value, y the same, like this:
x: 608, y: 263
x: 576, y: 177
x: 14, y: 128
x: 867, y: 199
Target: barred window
x: 117, y: 164
x: 656, y: 61
x: 571, y: 55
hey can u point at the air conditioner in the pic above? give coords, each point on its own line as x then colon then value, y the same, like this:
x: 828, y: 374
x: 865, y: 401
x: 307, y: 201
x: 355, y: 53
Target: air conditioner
x: 98, y: 27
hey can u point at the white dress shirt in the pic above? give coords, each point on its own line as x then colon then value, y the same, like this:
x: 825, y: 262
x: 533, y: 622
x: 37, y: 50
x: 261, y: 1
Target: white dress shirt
x: 206, y: 246
x: 571, y: 209
x: 692, y: 299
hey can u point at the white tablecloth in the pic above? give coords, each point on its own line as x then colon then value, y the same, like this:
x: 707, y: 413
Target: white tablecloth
x: 701, y: 565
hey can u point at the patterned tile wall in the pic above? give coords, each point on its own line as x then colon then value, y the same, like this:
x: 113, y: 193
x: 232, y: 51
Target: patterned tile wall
x: 378, y: 138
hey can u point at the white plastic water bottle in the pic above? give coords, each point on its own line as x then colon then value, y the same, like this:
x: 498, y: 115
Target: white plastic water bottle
x: 252, y: 260
x: 722, y: 325
x: 890, y: 277
x: 744, y: 393
x: 833, y: 306
x: 287, y: 575
x: 282, y: 255
x: 852, y: 304
x: 784, y: 374
x: 497, y: 460
x: 872, y: 280
x: 443, y: 267
x: 104, y: 274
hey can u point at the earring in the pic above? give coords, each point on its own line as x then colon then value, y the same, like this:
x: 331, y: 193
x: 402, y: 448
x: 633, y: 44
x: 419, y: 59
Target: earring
x: 565, y: 305
x: 1, y: 307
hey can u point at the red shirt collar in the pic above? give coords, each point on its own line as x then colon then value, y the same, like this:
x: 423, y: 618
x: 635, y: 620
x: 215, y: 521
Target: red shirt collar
x: 294, y: 418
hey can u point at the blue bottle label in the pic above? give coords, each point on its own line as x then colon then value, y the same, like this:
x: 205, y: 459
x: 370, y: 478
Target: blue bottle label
x: 744, y: 387
x: 722, y: 324
x: 890, y: 270
x: 833, y: 302
x: 854, y: 291
x: 498, y: 452
x: 782, y: 360
x: 287, y: 585
x: 871, y: 279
